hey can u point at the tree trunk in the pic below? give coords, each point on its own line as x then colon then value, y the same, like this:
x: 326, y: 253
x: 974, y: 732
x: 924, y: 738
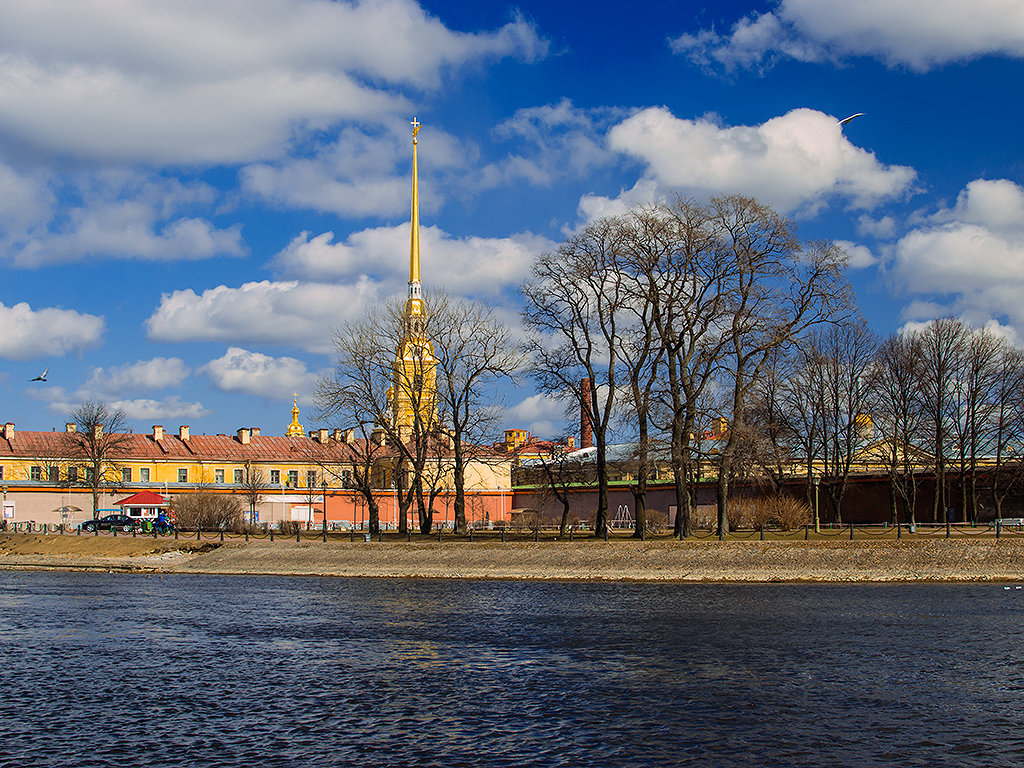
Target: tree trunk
x: 723, y: 498
x: 459, y: 478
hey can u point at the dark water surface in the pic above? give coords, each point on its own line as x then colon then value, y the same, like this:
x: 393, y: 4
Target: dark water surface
x: 119, y: 670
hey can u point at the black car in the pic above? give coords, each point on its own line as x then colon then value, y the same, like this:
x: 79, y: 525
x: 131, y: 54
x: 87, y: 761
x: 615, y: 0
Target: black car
x: 110, y: 523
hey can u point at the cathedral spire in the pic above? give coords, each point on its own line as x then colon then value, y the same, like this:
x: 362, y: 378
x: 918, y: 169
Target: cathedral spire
x: 414, y: 246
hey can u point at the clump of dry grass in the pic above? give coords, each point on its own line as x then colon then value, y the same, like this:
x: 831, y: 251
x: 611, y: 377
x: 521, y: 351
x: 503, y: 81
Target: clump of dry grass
x: 776, y: 512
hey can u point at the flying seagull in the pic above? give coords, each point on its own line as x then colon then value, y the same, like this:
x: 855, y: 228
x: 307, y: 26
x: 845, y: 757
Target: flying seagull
x: 41, y: 376
x: 845, y: 120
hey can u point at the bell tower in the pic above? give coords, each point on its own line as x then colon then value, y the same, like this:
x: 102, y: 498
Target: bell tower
x: 414, y: 400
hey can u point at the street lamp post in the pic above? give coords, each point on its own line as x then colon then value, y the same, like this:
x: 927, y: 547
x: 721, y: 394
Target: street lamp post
x: 323, y: 485
x: 817, y: 518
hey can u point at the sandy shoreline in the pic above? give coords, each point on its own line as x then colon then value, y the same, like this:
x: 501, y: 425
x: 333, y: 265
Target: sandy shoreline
x: 980, y: 559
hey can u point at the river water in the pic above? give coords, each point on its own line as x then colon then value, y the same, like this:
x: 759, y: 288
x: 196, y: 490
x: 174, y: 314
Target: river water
x: 133, y: 670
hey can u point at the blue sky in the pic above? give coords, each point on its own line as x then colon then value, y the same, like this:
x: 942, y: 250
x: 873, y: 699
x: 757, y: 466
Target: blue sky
x: 193, y: 196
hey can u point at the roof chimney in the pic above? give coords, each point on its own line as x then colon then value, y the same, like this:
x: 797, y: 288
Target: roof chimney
x: 183, y: 432
x: 243, y: 435
x: 254, y: 431
x: 379, y: 436
x: 97, y: 432
x: 71, y: 427
x: 158, y: 432
x: 321, y: 436
x: 9, y: 430
x: 586, y: 424
x: 350, y: 436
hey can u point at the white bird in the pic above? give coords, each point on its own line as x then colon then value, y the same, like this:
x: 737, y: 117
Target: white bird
x: 845, y: 120
x: 41, y: 376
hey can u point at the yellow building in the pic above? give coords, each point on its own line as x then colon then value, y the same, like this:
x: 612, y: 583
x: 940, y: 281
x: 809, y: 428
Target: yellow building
x: 41, y: 478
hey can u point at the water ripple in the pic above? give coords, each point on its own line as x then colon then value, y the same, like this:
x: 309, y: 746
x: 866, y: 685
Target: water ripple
x: 115, y: 670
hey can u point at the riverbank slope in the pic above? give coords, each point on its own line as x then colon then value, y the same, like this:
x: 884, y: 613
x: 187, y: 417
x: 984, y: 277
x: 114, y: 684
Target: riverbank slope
x: 966, y: 559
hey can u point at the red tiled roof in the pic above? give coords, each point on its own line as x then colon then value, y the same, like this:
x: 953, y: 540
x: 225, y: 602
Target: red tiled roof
x: 261, y: 448
x: 28, y: 444
x: 142, y: 499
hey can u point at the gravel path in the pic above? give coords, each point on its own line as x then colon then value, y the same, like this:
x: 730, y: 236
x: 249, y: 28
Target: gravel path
x: 666, y: 560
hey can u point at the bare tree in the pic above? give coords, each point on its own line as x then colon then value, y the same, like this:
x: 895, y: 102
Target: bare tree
x: 96, y: 445
x: 897, y: 408
x: 356, y: 397
x: 557, y: 477
x: 844, y: 354
x: 688, y: 314
x: 974, y: 408
x: 367, y: 380
x: 771, y: 423
x: 473, y: 350
x: 574, y: 303
x: 254, y: 488
x: 942, y: 343
x: 647, y: 237
x: 1008, y: 427
x: 776, y: 289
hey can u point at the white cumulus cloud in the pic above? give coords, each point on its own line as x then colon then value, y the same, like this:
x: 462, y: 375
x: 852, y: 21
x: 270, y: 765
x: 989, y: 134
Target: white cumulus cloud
x: 799, y: 160
x: 143, y: 375
x: 253, y: 373
x: 971, y: 255
x: 124, y: 215
x: 300, y: 314
x: 470, y: 266
x: 918, y: 34
x: 857, y: 256
x: 229, y: 81
x: 27, y: 334
x: 541, y: 414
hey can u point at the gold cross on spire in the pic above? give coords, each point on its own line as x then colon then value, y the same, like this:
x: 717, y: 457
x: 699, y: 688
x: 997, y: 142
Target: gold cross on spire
x: 415, y: 128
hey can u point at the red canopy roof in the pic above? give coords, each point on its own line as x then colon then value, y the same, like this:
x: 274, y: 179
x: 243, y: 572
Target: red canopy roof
x: 143, y: 499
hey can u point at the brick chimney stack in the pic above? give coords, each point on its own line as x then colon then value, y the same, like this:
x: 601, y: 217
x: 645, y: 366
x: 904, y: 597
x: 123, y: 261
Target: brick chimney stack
x: 586, y: 424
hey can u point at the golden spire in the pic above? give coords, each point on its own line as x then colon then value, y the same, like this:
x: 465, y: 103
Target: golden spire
x: 414, y: 246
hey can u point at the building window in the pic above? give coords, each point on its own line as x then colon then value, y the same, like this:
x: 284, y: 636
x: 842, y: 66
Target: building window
x: 346, y: 478
x: 72, y: 474
x: 1, y: 471
x: 182, y: 475
x: 53, y: 474
x: 275, y: 477
x: 293, y: 477
x: 35, y: 473
x: 126, y: 474
x: 310, y: 478
x: 218, y: 475
x: 144, y: 474
x: 239, y: 477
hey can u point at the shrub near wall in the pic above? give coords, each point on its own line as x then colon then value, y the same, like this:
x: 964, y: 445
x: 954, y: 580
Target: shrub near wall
x: 206, y: 510
x: 775, y: 512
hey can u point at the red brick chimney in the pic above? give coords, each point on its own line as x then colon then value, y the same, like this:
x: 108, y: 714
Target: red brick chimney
x: 586, y: 425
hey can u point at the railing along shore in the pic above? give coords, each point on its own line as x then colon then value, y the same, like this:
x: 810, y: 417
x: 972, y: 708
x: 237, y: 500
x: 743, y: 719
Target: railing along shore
x: 873, y: 531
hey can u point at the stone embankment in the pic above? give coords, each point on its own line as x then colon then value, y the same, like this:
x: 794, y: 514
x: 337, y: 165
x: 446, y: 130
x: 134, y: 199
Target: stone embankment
x: 965, y: 559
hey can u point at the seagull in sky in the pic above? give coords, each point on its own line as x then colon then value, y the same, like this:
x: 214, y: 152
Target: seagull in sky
x: 41, y: 376
x: 845, y: 120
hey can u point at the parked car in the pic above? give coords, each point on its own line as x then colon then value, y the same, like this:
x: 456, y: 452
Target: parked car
x: 110, y: 523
